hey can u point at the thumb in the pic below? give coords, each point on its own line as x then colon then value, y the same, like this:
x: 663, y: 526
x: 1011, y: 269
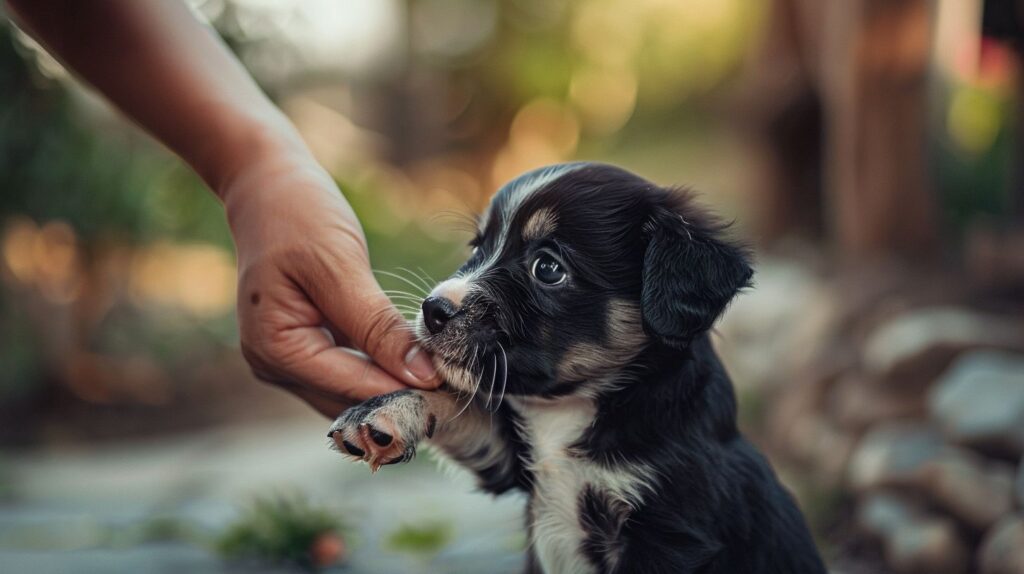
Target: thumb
x: 361, y: 311
x: 384, y: 334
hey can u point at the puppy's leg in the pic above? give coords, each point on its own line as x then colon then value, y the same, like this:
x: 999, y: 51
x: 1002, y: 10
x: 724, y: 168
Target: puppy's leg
x: 487, y: 443
x: 387, y: 428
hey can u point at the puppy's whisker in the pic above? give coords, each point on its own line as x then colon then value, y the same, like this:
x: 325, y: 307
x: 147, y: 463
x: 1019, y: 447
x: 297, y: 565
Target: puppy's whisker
x: 399, y: 293
x: 504, y: 374
x: 472, y: 395
x: 459, y: 220
x: 494, y: 375
x: 400, y: 278
x: 426, y: 286
x: 428, y: 276
x: 406, y: 302
x: 406, y: 328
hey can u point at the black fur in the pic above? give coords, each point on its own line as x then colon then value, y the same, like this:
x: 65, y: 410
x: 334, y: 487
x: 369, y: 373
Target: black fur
x: 664, y: 401
x: 491, y: 477
x: 723, y: 510
x: 689, y: 275
x: 603, y: 518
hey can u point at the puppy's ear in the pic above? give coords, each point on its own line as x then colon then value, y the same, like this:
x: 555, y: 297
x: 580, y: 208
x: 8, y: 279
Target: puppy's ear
x: 689, y: 274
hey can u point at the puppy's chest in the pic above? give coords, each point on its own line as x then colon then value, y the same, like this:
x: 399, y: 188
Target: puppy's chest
x: 561, y: 480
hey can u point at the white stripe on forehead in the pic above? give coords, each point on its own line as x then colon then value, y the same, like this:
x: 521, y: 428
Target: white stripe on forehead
x: 517, y: 190
x: 514, y: 194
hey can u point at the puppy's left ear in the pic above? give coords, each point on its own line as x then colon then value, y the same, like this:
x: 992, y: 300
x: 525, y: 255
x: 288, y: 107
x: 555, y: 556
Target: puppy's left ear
x: 689, y: 275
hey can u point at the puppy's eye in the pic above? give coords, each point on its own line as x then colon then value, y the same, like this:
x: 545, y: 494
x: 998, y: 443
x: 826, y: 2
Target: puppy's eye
x: 547, y: 270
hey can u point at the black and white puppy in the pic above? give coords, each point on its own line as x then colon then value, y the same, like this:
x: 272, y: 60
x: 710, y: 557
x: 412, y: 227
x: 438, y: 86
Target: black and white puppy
x: 575, y: 346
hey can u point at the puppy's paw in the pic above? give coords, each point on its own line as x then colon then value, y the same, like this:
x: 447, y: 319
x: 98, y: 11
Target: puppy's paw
x: 385, y: 429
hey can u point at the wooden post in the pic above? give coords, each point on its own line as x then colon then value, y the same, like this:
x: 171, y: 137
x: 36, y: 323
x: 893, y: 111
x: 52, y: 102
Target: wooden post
x: 782, y: 106
x: 874, y: 63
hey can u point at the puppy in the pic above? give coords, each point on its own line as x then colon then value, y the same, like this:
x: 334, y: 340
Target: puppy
x: 575, y: 346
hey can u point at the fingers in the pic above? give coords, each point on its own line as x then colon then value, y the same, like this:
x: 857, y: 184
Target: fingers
x: 337, y: 372
x: 304, y: 266
x: 386, y: 336
x: 367, y: 318
x: 287, y: 341
x: 330, y: 379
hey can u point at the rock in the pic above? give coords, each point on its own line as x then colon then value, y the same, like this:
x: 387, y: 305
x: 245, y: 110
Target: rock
x: 856, y: 404
x: 995, y: 257
x: 914, y: 458
x: 915, y: 347
x: 796, y: 421
x: 760, y: 328
x: 979, y: 402
x: 1020, y: 486
x: 913, y: 540
x: 1002, y: 549
x: 814, y: 440
x: 892, y: 454
x: 977, y: 493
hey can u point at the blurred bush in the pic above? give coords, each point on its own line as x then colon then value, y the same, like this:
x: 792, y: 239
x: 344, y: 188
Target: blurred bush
x: 284, y: 529
x: 116, y: 271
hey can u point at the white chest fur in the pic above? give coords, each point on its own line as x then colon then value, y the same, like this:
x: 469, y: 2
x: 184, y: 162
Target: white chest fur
x: 551, y: 427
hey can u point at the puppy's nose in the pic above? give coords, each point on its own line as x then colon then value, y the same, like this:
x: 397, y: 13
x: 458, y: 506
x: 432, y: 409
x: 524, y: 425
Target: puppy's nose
x: 437, y: 311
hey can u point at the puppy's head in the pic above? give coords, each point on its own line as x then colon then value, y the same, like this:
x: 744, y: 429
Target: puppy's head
x: 575, y: 269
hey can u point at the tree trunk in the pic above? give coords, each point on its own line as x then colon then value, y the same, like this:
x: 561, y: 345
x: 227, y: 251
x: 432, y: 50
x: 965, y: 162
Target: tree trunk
x: 875, y: 58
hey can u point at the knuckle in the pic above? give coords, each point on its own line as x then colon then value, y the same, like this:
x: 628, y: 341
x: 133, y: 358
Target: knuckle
x: 319, y: 267
x: 378, y: 331
x: 255, y: 361
x: 267, y: 365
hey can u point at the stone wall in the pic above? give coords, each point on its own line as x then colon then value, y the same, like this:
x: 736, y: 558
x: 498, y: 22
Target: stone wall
x: 904, y: 396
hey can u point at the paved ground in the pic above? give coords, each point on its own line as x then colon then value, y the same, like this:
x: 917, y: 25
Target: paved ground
x: 83, y: 511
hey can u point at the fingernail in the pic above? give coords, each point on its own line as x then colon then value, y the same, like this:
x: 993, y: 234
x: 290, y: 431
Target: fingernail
x: 418, y: 365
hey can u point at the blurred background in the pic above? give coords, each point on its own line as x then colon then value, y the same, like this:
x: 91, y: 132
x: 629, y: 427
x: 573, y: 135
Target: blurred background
x: 868, y: 149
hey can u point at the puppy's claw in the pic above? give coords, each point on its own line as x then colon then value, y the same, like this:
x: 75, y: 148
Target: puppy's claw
x: 382, y: 434
x: 353, y: 449
x: 382, y: 438
x: 364, y: 433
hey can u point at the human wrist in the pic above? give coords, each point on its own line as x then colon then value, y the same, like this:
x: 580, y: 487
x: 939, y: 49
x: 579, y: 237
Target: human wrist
x: 266, y: 142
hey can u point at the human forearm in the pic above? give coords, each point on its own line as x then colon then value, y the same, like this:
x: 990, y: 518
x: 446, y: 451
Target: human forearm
x: 171, y: 75
x: 307, y: 295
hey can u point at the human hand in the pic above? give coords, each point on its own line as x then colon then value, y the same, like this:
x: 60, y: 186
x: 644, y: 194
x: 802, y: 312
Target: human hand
x: 307, y: 300
x: 306, y: 292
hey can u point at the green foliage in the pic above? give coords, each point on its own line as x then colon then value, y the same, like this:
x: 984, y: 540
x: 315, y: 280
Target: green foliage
x: 976, y: 183
x: 279, y: 529
x: 424, y: 539
x: 19, y: 354
x: 7, y: 489
x: 166, y: 529
x: 54, y: 165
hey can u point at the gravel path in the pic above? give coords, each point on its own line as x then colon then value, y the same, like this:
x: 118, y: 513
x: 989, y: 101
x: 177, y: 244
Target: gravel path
x: 90, y: 510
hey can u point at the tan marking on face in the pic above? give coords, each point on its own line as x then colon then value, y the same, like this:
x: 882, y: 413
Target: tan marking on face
x: 626, y: 338
x: 453, y: 290
x: 543, y: 222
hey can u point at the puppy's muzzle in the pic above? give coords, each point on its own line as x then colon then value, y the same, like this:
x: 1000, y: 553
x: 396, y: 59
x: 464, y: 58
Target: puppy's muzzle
x: 437, y: 312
